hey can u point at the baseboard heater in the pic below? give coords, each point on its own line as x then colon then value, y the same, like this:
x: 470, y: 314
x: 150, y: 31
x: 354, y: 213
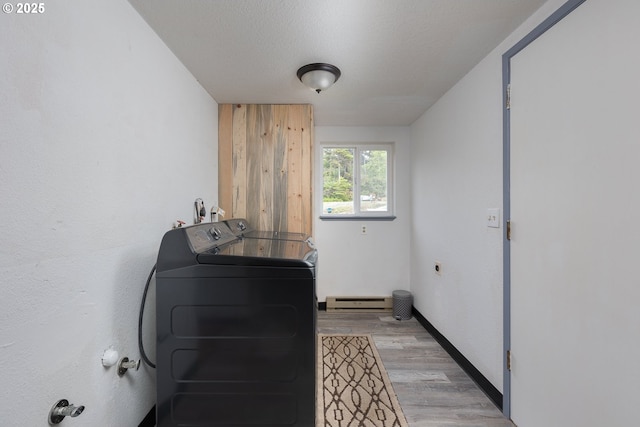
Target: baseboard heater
x: 359, y: 303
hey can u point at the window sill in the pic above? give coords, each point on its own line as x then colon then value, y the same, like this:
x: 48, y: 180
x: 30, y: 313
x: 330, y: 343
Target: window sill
x: 357, y: 218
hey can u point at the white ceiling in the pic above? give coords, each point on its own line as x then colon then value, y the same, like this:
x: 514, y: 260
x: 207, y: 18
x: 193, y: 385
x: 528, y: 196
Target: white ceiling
x: 397, y: 57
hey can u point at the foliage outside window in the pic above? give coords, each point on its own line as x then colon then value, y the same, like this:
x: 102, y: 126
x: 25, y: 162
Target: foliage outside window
x: 357, y: 180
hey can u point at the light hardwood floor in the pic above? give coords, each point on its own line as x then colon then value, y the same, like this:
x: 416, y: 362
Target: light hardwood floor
x: 432, y: 389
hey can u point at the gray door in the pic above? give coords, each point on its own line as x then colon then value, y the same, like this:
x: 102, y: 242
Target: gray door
x: 575, y: 212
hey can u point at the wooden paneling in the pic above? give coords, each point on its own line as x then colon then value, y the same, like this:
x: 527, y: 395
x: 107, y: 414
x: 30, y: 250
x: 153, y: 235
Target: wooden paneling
x: 265, y: 170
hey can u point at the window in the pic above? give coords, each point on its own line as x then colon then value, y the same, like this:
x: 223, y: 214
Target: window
x: 357, y: 181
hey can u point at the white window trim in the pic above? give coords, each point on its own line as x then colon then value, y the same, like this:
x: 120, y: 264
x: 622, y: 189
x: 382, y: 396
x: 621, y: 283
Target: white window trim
x: 359, y: 215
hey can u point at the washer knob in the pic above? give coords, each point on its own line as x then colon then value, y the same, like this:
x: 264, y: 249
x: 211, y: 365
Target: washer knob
x: 216, y: 233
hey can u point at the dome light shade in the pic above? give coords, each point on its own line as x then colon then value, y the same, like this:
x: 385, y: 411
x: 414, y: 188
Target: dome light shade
x: 319, y: 76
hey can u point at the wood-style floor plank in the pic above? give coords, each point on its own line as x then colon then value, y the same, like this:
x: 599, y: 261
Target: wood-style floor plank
x: 431, y: 388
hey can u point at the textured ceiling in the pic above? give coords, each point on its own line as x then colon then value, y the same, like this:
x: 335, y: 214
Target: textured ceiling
x: 397, y: 57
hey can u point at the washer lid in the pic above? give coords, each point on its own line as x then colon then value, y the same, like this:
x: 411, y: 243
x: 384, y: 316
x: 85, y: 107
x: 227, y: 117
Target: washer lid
x: 261, y: 252
x: 276, y: 235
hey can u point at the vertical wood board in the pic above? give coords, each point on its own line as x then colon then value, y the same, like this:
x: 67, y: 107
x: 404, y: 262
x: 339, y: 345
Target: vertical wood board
x: 294, y: 182
x: 307, y: 168
x: 225, y: 157
x: 280, y: 169
x: 238, y: 207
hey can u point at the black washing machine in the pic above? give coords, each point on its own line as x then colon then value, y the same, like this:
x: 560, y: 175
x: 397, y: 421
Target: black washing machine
x: 236, y: 329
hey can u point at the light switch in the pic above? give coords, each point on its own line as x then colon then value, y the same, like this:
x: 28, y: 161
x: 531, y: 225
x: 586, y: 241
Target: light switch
x: 493, y: 218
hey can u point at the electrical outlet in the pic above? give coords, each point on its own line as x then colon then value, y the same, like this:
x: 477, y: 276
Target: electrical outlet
x: 363, y: 230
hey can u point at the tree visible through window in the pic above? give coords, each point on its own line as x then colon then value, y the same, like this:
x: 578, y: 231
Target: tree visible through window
x: 356, y: 180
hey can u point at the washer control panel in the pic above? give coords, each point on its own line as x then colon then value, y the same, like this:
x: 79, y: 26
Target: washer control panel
x: 206, y: 236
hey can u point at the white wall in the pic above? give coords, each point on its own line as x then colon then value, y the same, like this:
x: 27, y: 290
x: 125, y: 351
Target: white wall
x: 375, y: 264
x: 105, y: 141
x: 456, y: 170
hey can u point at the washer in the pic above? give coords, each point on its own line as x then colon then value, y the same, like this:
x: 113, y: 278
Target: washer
x: 236, y: 329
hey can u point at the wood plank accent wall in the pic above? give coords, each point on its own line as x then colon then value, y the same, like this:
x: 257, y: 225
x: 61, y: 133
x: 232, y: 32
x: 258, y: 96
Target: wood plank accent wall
x: 265, y: 155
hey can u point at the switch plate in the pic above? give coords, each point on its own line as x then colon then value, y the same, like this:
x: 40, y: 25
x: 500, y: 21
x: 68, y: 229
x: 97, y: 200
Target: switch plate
x: 493, y: 218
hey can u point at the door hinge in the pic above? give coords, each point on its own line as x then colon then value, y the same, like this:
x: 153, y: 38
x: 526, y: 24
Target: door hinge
x: 508, y: 360
x: 508, y: 105
x: 508, y: 229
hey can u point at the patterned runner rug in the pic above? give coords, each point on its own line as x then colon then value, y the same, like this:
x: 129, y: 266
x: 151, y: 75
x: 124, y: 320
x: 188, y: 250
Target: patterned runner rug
x: 353, y: 387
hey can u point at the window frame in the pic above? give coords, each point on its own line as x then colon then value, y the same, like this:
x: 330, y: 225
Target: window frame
x: 358, y: 214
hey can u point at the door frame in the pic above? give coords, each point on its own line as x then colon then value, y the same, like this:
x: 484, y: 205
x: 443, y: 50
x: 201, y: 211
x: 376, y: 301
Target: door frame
x: 548, y: 23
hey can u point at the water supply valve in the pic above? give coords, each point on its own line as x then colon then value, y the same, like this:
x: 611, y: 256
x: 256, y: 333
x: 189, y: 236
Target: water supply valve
x: 125, y: 364
x: 62, y: 409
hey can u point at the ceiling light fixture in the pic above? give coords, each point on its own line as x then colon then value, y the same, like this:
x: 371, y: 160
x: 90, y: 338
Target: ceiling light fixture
x: 319, y: 76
